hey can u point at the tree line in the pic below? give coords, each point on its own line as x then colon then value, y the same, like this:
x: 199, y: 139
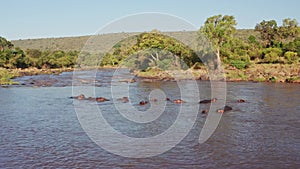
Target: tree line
x: 13, y: 57
x: 275, y: 44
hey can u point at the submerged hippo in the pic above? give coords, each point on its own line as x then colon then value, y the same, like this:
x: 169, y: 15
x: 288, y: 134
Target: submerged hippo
x: 208, y: 101
x: 80, y: 97
x: 91, y: 99
x: 101, y: 99
x: 153, y: 100
x: 225, y: 109
x: 204, y: 111
x: 143, y: 102
x: 124, y: 99
x: 178, y: 101
x: 241, y: 101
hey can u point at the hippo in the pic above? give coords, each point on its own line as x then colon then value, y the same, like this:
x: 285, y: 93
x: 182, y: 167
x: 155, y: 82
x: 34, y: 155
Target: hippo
x: 153, y: 100
x: 241, y: 101
x: 91, y: 99
x: 124, y: 99
x: 101, y: 99
x: 80, y: 97
x: 208, y: 101
x: 204, y: 111
x: 225, y: 109
x: 143, y: 102
x: 178, y: 101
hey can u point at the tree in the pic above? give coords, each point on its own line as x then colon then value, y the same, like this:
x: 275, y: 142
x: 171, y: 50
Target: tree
x: 274, y: 35
x: 18, y: 60
x: 289, y: 29
x: 5, y: 44
x: 33, y: 55
x: 153, y: 49
x: 268, y: 31
x: 219, y: 29
x: 293, y: 46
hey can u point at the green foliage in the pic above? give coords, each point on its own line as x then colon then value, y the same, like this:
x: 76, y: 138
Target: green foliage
x: 152, y: 49
x: 252, y: 39
x: 5, y: 44
x: 268, y: 31
x: 109, y: 59
x: 259, y: 79
x: 157, y: 50
x: 47, y: 59
x: 293, y: 79
x: 273, y: 35
x: 239, y: 64
x: 219, y: 30
x: 293, y: 46
x: 271, y: 55
x: 291, y: 57
x: 11, y: 57
x: 255, y: 54
x: 235, y: 53
x: 272, y: 79
x: 289, y: 28
x: 236, y: 75
x: 158, y: 41
x: 5, y: 76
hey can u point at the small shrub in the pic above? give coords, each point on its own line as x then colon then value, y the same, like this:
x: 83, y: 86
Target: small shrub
x: 291, y: 56
x: 259, y: 79
x: 6, y: 76
x: 271, y: 55
x: 255, y: 54
x: 239, y: 64
x: 272, y: 79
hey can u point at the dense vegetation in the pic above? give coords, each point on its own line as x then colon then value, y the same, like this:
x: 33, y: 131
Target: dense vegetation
x: 276, y: 44
x: 13, y: 57
x: 267, y: 43
x: 152, y: 49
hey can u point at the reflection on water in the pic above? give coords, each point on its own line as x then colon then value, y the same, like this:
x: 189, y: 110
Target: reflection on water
x: 39, y: 128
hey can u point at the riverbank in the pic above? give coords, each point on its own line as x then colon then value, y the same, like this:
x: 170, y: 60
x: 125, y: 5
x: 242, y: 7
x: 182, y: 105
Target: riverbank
x: 255, y: 72
x: 7, y: 75
x: 288, y: 73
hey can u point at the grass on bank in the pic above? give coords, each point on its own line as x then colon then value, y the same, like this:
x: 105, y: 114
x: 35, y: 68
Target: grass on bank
x: 6, y: 75
x: 255, y: 72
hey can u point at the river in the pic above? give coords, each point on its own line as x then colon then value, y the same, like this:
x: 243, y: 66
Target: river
x: 40, y: 127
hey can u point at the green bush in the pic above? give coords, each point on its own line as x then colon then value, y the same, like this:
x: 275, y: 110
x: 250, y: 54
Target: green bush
x: 6, y: 76
x: 239, y: 64
x: 255, y: 54
x: 272, y: 79
x: 291, y: 56
x: 293, y: 46
x: 271, y: 55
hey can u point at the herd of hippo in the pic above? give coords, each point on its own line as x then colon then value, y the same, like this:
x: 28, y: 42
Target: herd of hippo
x: 177, y: 101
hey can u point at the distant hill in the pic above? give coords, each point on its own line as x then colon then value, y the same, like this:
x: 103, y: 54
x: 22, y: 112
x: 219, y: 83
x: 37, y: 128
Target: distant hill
x: 77, y: 43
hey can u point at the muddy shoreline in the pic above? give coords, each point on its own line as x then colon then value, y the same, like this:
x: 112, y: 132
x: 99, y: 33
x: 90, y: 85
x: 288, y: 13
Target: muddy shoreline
x: 261, y: 73
x: 255, y: 73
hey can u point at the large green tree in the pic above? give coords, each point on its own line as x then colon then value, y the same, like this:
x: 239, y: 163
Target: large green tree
x: 5, y: 44
x: 219, y: 30
x: 153, y: 49
x: 273, y: 35
x: 268, y: 31
x: 289, y: 29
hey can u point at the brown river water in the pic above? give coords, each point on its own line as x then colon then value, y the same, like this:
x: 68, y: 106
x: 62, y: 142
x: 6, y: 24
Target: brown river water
x: 40, y: 128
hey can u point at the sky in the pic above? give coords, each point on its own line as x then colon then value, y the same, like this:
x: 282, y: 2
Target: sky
x: 63, y: 18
